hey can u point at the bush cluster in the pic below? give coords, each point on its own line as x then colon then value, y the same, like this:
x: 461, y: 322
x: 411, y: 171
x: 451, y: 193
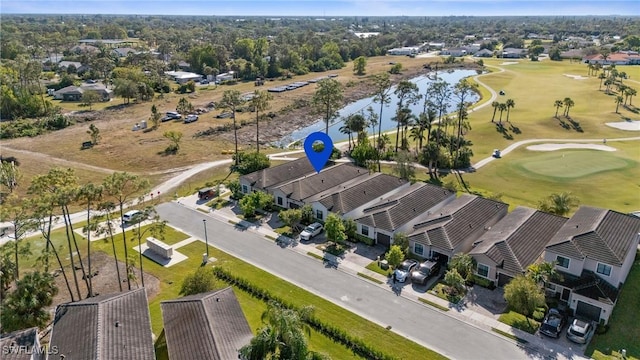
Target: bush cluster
x: 358, y: 346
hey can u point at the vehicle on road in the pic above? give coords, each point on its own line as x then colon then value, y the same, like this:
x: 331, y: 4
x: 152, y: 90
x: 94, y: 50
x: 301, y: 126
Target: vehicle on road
x: 190, y: 118
x: 496, y: 153
x: 403, y: 271
x: 580, y: 331
x: 553, y: 323
x: 131, y: 215
x: 311, y: 231
x: 423, y: 272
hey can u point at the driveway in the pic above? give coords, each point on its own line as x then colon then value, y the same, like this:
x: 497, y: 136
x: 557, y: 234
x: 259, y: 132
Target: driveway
x: 424, y: 325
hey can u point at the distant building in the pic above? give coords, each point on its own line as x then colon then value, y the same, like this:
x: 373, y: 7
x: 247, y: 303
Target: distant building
x: 75, y: 93
x: 514, y: 53
x: 617, y: 58
x: 486, y: 53
x: 407, y: 51
x: 182, y: 77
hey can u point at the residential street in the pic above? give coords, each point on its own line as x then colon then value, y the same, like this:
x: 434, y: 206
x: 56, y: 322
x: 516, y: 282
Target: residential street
x: 422, y: 324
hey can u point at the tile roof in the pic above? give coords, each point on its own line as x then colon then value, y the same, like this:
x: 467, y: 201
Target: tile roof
x: 588, y: 284
x: 348, y: 198
x: 310, y: 185
x: 277, y: 175
x: 111, y: 327
x: 602, y: 235
x: 404, y: 206
x: 13, y: 345
x: 205, y: 326
x: 518, y: 239
x: 452, y: 225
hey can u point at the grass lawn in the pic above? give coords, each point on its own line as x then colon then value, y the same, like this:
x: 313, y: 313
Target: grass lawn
x: 624, y: 322
x: 439, y: 290
x: 525, y: 177
x: 519, y: 321
x: 373, y: 266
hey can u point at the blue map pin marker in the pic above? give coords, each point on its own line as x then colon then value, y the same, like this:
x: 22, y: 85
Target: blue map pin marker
x: 318, y: 159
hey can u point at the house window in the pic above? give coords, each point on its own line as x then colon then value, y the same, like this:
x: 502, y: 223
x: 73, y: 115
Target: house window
x: 319, y: 214
x: 483, y: 270
x: 418, y: 249
x: 365, y: 230
x: 603, y: 269
x: 279, y: 201
x: 245, y: 189
x: 562, y: 262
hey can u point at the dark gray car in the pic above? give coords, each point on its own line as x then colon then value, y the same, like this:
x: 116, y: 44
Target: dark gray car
x: 425, y: 271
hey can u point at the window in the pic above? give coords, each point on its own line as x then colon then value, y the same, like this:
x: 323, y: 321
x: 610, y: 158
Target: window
x: 562, y: 261
x: 319, y: 214
x: 603, y: 269
x: 418, y: 249
x: 483, y: 270
x: 365, y: 230
x: 279, y: 201
x: 245, y: 189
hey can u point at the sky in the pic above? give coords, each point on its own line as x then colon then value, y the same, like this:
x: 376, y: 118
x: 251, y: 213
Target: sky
x: 329, y: 8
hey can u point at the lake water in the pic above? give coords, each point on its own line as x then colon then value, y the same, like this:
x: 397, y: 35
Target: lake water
x: 389, y: 110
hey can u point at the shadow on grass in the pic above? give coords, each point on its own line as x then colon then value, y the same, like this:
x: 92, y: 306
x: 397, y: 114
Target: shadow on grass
x: 505, y: 133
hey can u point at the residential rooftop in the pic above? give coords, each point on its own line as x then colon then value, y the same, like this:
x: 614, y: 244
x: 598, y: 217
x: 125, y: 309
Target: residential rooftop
x: 309, y: 185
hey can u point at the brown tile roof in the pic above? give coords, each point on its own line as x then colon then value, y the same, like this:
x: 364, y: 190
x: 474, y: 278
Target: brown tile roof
x: 518, y: 239
x: 277, y: 175
x: 588, y: 284
x: 205, y: 326
x: 303, y: 188
x: 372, y: 187
x: 19, y: 345
x: 452, y: 225
x: 404, y: 206
x: 111, y: 327
x: 602, y: 235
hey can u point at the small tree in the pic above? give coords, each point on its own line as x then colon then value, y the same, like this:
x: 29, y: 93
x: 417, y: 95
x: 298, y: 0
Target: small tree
x: 94, y: 132
x: 523, y: 295
x: 184, y: 106
x: 307, y: 214
x: 291, y: 218
x: 403, y: 167
x: 396, y: 68
x: 335, y: 229
x: 154, y: 119
x: 455, y: 281
x: 463, y: 264
x: 174, y: 137
x: 254, y: 201
x: 360, y: 65
x: 26, y: 305
x: 558, y: 204
x: 89, y: 98
x: 401, y: 240
x: 350, y: 228
x: 250, y: 162
x: 201, y: 281
x: 542, y: 272
x: 395, y: 255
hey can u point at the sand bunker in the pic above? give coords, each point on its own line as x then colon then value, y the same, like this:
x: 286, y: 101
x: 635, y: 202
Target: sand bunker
x: 509, y: 63
x: 576, y: 77
x: 553, y: 147
x: 626, y: 125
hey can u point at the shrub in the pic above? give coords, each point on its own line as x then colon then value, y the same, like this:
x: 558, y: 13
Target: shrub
x: 485, y: 283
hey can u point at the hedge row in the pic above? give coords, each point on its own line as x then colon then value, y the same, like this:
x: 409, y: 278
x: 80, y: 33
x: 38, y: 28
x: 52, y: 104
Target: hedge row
x: 357, y: 345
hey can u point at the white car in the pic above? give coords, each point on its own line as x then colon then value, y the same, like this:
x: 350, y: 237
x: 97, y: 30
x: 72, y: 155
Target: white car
x: 580, y: 331
x: 403, y: 271
x: 311, y: 231
x: 131, y: 215
x: 190, y: 118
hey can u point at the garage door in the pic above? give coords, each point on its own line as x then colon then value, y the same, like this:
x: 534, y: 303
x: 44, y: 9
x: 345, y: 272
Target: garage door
x: 503, y: 279
x: 383, y: 239
x: 588, y: 311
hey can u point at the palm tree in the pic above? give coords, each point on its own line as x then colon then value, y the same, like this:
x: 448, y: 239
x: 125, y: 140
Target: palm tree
x: 542, y: 272
x: 494, y: 105
x: 619, y: 99
x: 346, y: 129
x: 122, y: 187
x: 382, y: 86
x: 107, y: 208
x: 464, y: 264
x: 502, y: 107
x: 510, y: 104
x: 260, y: 102
x: 558, y: 104
x: 407, y: 94
x: 631, y: 92
x: 90, y: 193
x: 327, y: 100
x: 590, y: 68
x: 568, y: 104
x: 358, y: 124
x: 232, y: 100
x: 602, y: 76
x: 558, y: 204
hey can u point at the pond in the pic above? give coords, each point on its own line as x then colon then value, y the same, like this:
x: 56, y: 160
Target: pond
x: 388, y: 112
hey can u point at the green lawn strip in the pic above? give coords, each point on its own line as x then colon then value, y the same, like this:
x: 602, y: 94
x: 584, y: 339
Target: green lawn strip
x: 439, y: 291
x: 330, y: 313
x: 373, y: 266
x: 202, y: 210
x: 431, y: 303
x: 270, y: 237
x: 370, y: 278
x: 510, y: 336
x: 624, y: 322
x: 519, y: 321
x: 319, y: 257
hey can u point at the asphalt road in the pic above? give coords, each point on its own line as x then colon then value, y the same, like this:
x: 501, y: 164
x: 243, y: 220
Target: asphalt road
x: 422, y: 324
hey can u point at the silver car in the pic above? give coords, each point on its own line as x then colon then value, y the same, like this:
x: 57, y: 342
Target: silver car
x: 311, y: 231
x: 403, y: 271
x: 580, y: 331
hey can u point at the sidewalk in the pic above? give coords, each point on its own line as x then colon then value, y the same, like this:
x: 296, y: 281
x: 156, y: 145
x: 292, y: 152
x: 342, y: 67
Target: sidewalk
x: 536, y: 345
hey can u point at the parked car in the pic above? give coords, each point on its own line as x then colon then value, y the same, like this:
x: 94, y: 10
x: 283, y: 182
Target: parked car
x: 204, y: 82
x: 423, y: 272
x: 553, y: 323
x: 130, y: 216
x: 403, y: 271
x: 311, y: 231
x: 224, y: 115
x: 580, y: 331
x: 190, y: 118
x: 170, y: 115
